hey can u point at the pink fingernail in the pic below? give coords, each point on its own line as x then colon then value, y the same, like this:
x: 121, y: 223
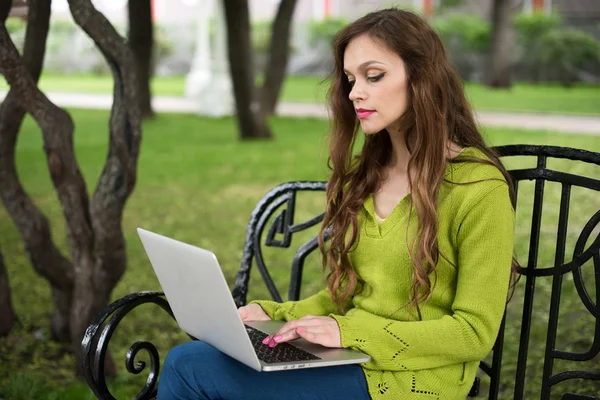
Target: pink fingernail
x: 277, y: 338
x: 266, y: 340
x: 299, y: 330
x: 272, y: 344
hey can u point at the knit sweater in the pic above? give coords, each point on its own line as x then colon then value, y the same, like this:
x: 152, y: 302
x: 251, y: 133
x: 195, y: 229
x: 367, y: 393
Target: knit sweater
x: 436, y: 357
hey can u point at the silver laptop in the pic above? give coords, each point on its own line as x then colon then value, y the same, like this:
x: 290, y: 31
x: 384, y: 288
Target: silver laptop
x: 195, y: 287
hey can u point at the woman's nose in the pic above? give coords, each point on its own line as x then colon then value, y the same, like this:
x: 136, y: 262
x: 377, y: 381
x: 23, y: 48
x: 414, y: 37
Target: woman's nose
x: 356, y: 93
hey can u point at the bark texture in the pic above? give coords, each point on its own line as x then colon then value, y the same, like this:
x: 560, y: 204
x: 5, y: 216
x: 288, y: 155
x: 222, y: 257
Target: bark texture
x: 93, y: 226
x: 99, y: 270
x: 279, y: 51
x: 33, y: 226
x: 7, y: 313
x: 500, y: 60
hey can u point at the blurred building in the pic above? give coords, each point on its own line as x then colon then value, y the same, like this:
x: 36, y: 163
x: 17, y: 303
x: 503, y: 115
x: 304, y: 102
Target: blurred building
x: 584, y: 14
x: 177, y: 28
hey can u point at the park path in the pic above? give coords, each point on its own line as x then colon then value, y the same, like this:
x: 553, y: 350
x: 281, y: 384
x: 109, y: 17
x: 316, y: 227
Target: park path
x: 588, y: 125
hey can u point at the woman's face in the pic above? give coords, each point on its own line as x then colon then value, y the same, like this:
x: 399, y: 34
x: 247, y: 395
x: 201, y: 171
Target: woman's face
x: 379, y: 84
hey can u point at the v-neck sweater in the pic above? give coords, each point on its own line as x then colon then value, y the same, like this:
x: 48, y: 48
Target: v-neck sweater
x: 436, y: 357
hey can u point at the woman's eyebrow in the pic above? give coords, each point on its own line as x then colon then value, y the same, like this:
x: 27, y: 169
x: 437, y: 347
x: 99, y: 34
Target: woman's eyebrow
x: 365, y: 65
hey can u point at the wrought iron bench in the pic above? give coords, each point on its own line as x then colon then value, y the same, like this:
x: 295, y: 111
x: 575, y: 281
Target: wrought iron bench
x: 279, y: 207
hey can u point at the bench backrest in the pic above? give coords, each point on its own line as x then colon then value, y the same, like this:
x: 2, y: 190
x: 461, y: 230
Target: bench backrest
x: 272, y: 224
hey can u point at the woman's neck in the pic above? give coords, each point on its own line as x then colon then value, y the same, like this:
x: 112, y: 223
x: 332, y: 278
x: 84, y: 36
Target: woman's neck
x: 400, y: 153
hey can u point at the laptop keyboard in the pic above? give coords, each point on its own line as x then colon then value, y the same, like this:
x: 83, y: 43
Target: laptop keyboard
x: 283, y: 352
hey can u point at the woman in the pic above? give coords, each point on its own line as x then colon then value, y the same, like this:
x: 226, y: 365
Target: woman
x: 420, y: 227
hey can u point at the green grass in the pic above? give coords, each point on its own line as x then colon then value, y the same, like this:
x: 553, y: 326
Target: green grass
x: 550, y: 98
x: 197, y: 183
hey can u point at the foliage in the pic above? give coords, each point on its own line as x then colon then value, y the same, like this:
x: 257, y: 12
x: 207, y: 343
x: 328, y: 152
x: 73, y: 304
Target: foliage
x: 551, y: 51
x: 162, y: 46
x: 443, y: 4
x: 16, y: 28
x: 183, y: 178
x: 14, y: 25
x: 464, y: 32
x: 466, y: 38
x: 531, y: 27
x: 569, y: 51
x: 261, y: 36
x: 323, y: 32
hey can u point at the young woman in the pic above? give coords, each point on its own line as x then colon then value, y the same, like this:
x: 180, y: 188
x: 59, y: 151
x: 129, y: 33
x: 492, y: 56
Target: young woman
x: 420, y: 244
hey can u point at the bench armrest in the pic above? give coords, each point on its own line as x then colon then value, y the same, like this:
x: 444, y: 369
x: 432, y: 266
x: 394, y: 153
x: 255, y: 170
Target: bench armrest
x: 97, y: 336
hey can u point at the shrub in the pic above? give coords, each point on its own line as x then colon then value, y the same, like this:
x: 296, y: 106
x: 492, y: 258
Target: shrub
x: 470, y: 32
x: 570, y: 52
x: 466, y: 38
x: 323, y: 32
x: 549, y: 51
x: 532, y: 27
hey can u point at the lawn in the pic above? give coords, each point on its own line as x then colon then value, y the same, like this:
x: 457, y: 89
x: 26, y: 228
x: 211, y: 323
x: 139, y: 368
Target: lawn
x: 550, y: 98
x: 197, y: 183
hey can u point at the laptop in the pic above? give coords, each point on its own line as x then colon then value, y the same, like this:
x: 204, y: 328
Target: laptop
x: 195, y: 287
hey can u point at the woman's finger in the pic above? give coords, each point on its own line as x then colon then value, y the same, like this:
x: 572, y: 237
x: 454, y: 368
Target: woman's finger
x: 292, y: 325
x: 287, y: 332
x: 310, y: 336
x: 286, y: 337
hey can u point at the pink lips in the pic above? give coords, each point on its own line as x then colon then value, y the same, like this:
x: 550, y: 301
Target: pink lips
x: 363, y: 113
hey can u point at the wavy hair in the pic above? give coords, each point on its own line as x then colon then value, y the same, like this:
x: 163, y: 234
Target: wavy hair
x: 438, y: 114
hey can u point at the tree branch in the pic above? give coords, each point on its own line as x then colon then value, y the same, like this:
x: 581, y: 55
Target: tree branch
x: 33, y: 226
x: 119, y: 175
x: 7, y: 313
x: 251, y: 122
x: 141, y: 40
x: 57, y: 130
x: 5, y: 6
x: 93, y: 285
x: 278, y: 56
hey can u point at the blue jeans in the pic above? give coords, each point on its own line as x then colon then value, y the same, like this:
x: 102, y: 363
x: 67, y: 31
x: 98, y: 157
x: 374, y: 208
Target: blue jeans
x: 197, y: 371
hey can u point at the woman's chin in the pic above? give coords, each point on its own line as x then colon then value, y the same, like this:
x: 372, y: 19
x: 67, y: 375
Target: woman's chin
x: 370, y: 130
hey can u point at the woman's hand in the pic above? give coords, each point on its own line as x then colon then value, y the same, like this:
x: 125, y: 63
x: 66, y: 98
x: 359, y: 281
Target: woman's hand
x: 320, y: 330
x: 253, y: 312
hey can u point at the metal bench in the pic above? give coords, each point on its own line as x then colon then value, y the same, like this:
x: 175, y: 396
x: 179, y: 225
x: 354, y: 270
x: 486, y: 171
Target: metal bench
x: 272, y: 224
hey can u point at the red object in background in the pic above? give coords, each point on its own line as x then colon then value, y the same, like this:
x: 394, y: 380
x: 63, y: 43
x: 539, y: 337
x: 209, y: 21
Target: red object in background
x: 427, y: 8
x: 153, y: 9
x: 326, y: 6
x: 538, y: 5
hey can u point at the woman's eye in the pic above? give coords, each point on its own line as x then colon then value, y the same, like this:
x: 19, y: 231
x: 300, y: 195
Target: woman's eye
x: 351, y: 83
x: 375, y: 78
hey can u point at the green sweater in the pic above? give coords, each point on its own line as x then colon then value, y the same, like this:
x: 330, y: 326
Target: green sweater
x: 437, y: 357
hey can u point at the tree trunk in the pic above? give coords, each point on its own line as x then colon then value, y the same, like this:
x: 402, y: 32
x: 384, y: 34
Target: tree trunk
x: 499, y: 62
x: 7, y: 313
x: 5, y: 6
x: 32, y: 224
x: 279, y: 51
x: 141, y: 41
x: 251, y: 122
x: 96, y: 280
x: 94, y: 230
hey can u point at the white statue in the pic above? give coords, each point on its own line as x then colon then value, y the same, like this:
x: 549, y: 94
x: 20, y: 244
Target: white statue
x: 209, y: 81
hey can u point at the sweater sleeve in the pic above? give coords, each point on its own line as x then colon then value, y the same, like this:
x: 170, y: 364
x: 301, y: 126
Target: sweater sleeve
x: 318, y: 304
x: 485, y: 243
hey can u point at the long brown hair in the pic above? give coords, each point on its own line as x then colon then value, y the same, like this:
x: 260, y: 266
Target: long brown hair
x: 438, y: 114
